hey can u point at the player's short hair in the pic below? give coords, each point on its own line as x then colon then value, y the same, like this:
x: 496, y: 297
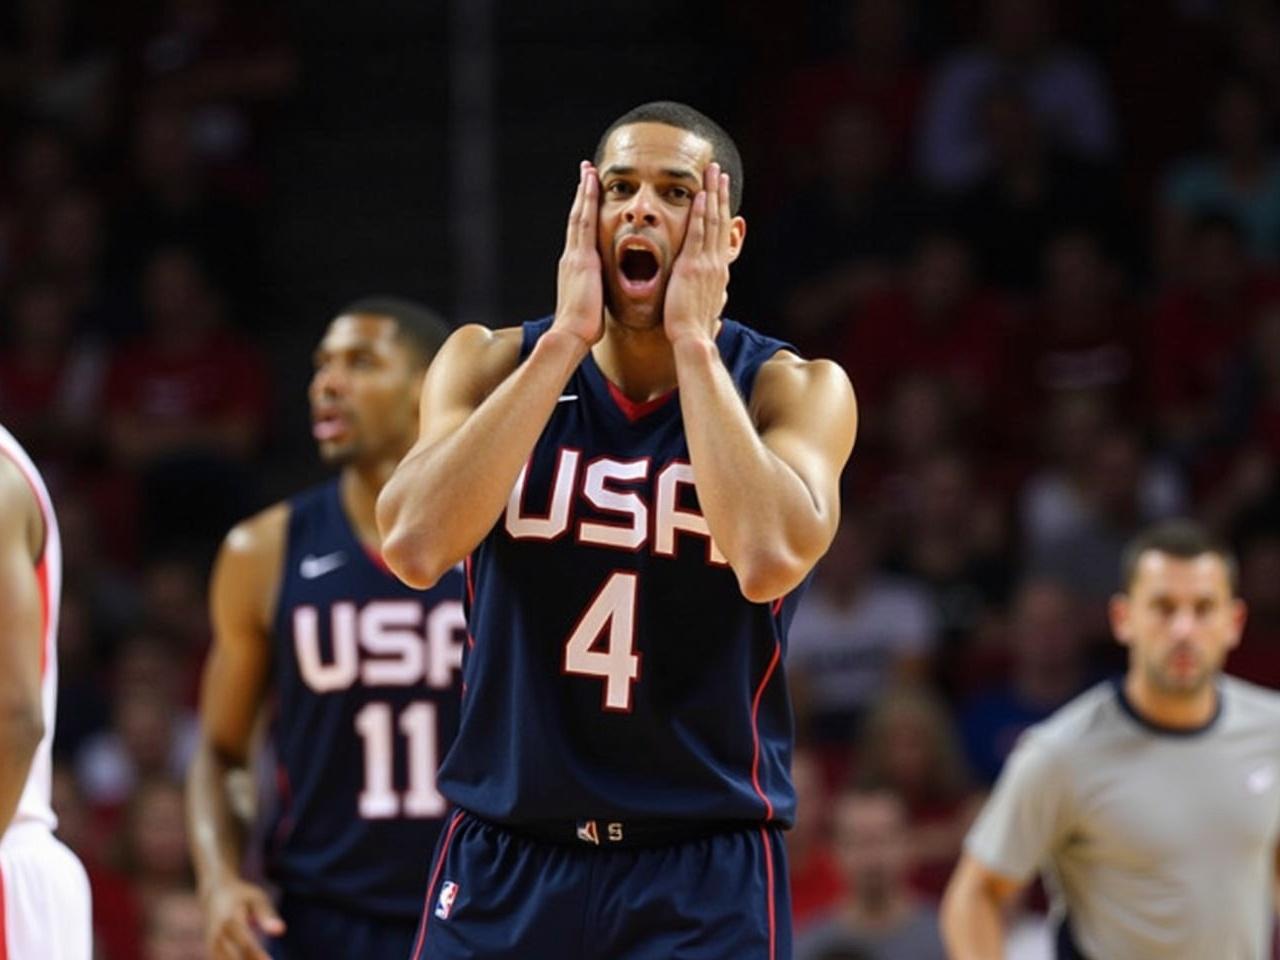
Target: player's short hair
x: 684, y: 117
x: 420, y: 327
x: 1181, y: 538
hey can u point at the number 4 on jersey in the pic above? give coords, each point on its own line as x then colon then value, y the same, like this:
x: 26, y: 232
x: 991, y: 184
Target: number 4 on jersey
x: 614, y: 608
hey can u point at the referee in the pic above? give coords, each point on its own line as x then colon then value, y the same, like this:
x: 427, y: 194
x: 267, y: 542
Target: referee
x: 1151, y: 804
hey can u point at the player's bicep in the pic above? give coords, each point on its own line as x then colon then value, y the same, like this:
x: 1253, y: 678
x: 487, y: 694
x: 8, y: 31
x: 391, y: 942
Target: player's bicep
x: 808, y: 418
x: 20, y: 609
x: 470, y: 365
x: 241, y: 597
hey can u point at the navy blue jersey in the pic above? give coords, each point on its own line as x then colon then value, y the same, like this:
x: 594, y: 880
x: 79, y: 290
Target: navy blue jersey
x: 614, y: 670
x: 367, y: 673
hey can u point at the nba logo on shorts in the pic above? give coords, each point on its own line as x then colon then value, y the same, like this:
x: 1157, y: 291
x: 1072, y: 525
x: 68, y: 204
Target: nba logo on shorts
x: 448, y: 893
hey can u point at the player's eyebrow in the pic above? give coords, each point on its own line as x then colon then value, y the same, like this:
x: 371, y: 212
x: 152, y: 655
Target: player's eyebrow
x: 667, y: 173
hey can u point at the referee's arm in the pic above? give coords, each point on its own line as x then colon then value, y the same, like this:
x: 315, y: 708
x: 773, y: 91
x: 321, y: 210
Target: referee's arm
x: 973, y: 910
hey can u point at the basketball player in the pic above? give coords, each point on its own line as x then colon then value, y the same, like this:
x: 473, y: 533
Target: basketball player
x: 1153, y: 804
x: 360, y: 669
x: 44, y: 893
x: 642, y: 488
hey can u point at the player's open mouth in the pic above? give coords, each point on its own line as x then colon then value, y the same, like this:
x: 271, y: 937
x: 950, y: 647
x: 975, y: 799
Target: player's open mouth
x: 328, y: 426
x: 638, y: 270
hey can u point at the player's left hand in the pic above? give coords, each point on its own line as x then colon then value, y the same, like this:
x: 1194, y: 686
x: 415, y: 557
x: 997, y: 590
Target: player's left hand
x: 699, y: 281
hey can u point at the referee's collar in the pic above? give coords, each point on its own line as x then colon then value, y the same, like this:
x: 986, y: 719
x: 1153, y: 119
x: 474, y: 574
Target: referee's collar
x: 1159, y: 728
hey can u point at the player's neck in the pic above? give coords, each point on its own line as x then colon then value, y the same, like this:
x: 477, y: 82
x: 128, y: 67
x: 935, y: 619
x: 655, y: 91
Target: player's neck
x: 1173, y: 711
x: 638, y: 361
x: 360, y: 485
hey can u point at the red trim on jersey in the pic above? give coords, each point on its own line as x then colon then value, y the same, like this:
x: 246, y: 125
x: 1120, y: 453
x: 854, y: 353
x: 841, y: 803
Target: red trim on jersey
x: 633, y: 410
x: 755, y: 729
x: 431, y: 887
x: 471, y: 584
x: 768, y: 885
x: 376, y: 559
x: 42, y: 577
x: 777, y: 605
x: 4, y: 932
x: 41, y: 564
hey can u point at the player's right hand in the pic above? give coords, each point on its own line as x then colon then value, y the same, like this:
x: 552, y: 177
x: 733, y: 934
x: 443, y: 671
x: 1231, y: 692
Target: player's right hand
x: 236, y: 913
x: 580, y: 286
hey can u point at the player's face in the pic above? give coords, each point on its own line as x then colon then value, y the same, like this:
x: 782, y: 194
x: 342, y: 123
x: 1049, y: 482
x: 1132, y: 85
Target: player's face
x: 1179, y: 620
x: 649, y: 175
x: 364, y: 392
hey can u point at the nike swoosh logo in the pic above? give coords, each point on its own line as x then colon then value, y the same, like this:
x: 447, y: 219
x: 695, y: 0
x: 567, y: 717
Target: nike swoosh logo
x: 1261, y: 779
x: 566, y: 397
x: 313, y: 566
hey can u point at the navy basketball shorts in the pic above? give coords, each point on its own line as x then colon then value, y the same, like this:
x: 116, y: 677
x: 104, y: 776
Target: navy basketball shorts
x: 318, y: 928
x: 609, y: 891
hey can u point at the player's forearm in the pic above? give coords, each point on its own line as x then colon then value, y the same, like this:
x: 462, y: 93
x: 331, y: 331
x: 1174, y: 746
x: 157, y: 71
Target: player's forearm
x: 972, y: 926
x: 217, y: 834
x: 444, y: 498
x: 20, y: 733
x: 760, y: 513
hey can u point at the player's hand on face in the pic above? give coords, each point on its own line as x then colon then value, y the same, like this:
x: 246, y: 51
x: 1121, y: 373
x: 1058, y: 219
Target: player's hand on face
x: 236, y: 914
x: 579, y: 287
x: 700, y: 274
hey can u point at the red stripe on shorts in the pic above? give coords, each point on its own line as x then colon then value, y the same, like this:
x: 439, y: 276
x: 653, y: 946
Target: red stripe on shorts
x: 435, y: 877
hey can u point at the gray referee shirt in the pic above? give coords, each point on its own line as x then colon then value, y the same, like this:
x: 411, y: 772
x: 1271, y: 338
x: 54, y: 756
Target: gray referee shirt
x: 1156, y: 844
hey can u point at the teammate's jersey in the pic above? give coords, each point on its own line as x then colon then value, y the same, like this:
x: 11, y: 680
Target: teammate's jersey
x: 34, y: 804
x: 614, y: 670
x: 366, y: 672
x: 1158, y: 843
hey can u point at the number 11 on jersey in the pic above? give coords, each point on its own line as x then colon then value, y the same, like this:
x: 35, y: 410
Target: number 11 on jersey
x: 379, y: 799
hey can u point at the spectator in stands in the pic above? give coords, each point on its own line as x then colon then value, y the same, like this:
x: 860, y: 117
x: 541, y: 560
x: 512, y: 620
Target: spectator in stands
x: 1257, y: 658
x: 1047, y: 667
x: 1030, y: 192
x: 858, y: 631
x: 1081, y: 337
x: 855, y: 219
x: 877, y: 71
x: 50, y: 380
x: 1239, y: 177
x: 1067, y: 93
x: 879, y: 913
x: 815, y: 877
x: 909, y: 747
x: 938, y: 321
x: 41, y: 167
x: 187, y: 406
x: 175, y: 927
x: 1198, y: 327
x: 153, y: 842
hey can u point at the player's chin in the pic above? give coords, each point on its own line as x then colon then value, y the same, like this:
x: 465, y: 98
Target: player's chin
x: 336, y: 454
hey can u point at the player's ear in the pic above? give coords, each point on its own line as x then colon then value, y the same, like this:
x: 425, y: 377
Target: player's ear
x: 1118, y: 612
x: 737, y: 234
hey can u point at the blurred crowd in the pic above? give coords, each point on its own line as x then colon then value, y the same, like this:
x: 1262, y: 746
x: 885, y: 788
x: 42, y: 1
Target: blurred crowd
x: 1043, y: 239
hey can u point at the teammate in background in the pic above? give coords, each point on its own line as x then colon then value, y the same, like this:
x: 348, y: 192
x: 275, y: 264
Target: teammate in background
x: 360, y: 669
x: 642, y: 488
x: 1153, y: 803
x: 44, y: 892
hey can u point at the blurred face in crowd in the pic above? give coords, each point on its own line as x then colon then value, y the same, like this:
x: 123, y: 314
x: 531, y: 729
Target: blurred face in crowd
x: 159, y: 831
x: 1046, y: 630
x: 1179, y: 619
x: 940, y: 274
x: 871, y: 843
x: 364, y: 392
x: 649, y: 176
x: 175, y: 930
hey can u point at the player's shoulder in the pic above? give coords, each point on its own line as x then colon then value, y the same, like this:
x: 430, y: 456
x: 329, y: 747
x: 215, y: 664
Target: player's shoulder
x: 476, y: 359
x: 1080, y: 721
x: 1250, y: 703
x: 263, y: 533
x: 787, y: 378
x: 19, y: 511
